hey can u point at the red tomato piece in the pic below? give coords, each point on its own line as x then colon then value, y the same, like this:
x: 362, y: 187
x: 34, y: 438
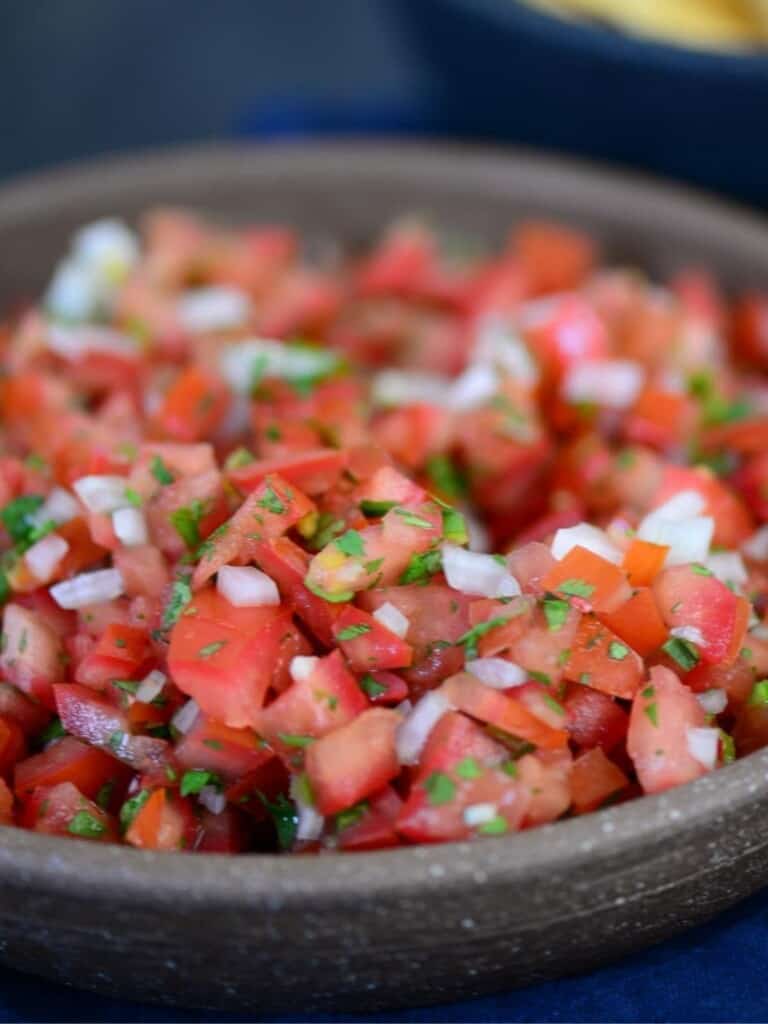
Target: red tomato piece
x: 313, y: 472
x: 32, y: 654
x: 691, y: 596
x: 595, y: 779
x: 375, y: 827
x: 600, y: 659
x: 228, y: 753
x: 63, y: 810
x: 590, y: 578
x: 119, y: 654
x: 165, y: 822
x: 368, y: 645
x: 593, y: 719
x: 638, y: 622
x: 69, y: 760
x: 193, y: 407
x: 12, y: 745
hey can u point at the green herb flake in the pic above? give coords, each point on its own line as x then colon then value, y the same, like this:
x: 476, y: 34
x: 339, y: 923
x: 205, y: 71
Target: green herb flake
x: 355, y: 630
x: 133, y: 497
x: 238, y: 458
x: 701, y: 570
x: 576, y: 588
x: 564, y: 657
x: 160, y: 471
x: 115, y: 741
x: 468, y: 768
x: 745, y: 653
x: 495, y: 827
x: 376, y: 509
x: 652, y: 711
x: 540, y: 677
x: 373, y: 566
x: 585, y: 678
x: 617, y: 651
x: 86, y: 826
x: 470, y: 638
x: 284, y: 816
x: 455, y: 528
x: 555, y: 612
x: 440, y: 789
x: 351, y: 543
x: 351, y: 816
x: 411, y: 519
x: 446, y: 477
x: 759, y: 693
x: 370, y: 687
x: 291, y: 739
x: 213, y: 744
x: 186, y: 522
x: 553, y: 704
x: 422, y: 567
x: 509, y: 768
x: 271, y: 502
x: 126, y: 685
x: 15, y: 516
x: 648, y: 692
x: 682, y: 651
x: 104, y: 795
x: 53, y: 731
x: 181, y: 595
x: 727, y: 748
x: 194, y: 781
x: 210, y: 649
x: 340, y: 597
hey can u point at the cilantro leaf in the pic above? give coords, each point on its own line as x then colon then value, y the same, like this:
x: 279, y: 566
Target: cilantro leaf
x: 160, y: 471
x: 181, y: 595
x: 356, y: 629
x: 351, y: 543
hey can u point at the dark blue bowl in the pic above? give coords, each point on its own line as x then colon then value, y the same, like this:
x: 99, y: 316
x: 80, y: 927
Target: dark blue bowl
x: 505, y: 72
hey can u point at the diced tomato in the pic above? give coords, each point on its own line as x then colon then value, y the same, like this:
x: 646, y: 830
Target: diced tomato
x: 12, y: 745
x: 119, y: 654
x: 313, y: 472
x: 587, y: 576
x: 546, y: 776
x: 662, y: 713
x: 749, y: 328
x: 600, y: 659
x: 353, y: 761
x: 69, y: 760
x: 143, y: 569
x: 692, y: 596
x: 184, y: 513
x: 165, y: 822
x: 638, y: 622
x: 193, y: 407
x: 553, y: 257
x: 593, y: 719
x: 374, y: 828
x: 595, y: 779
x: 367, y: 644
x: 228, y: 753
x: 644, y: 561
x: 63, y: 810
x: 226, y: 832
x: 32, y: 654
x: 6, y: 804
x: 14, y: 704
x: 733, y: 523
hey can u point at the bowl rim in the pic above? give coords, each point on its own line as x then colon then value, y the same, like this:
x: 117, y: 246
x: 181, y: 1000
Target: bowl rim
x: 50, y: 863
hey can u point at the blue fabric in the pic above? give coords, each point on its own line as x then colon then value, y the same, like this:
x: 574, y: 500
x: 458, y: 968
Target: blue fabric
x: 713, y: 973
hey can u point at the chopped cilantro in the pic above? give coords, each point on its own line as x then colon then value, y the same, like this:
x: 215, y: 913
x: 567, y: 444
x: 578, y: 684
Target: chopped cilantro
x: 326, y: 528
x: 411, y: 519
x: 181, y: 595
x: 540, y: 677
x: 495, y: 827
x: 576, y: 588
x: 338, y: 598
x: 470, y: 638
x: 554, y: 705
x: 351, y: 816
x: 759, y: 693
x: 446, y: 477
x: 160, y: 471
x: 727, y: 747
x: 15, y: 516
x: 133, y: 497
x: 516, y: 746
x: 210, y: 649
x: 283, y: 814
x: 213, y: 744
x: 271, y: 502
x: 440, y: 789
x: 85, y: 825
x: 115, y: 741
x: 374, y: 565
x: 369, y: 686
x: 509, y: 768
x: 563, y: 657
x: 104, y: 794
x: 468, y: 768
x: 682, y: 651
x: 374, y: 509
x: 422, y: 567
x: 455, y: 527
x: 186, y: 522
x: 701, y: 570
x: 555, y: 612
x: 53, y: 731
x: 126, y: 685
x: 617, y: 651
x: 350, y: 632
x: 351, y: 543
x: 648, y: 692
x: 585, y: 678
x: 291, y: 739
x: 652, y: 711
x: 197, y: 779
x: 238, y: 458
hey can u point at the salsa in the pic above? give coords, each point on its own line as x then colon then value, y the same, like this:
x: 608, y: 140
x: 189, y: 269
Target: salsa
x: 311, y: 550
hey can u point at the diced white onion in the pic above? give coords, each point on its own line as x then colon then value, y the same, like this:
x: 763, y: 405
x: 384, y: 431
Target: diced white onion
x: 728, y: 566
x: 413, y: 731
x: 101, y: 494
x: 614, y: 383
x: 479, y: 814
x: 310, y: 822
x: 497, y: 673
x: 759, y: 630
x: 474, y: 387
x: 240, y: 361
x: 688, y: 539
x: 714, y: 702
x: 392, y: 619
x: 212, y: 799
x: 78, y: 341
x: 405, y: 707
x: 703, y: 745
x: 130, y: 526
x: 478, y: 574
x: 407, y: 387
x: 74, y: 292
x: 88, y: 588
x: 151, y: 686
x: 689, y: 633
x: 479, y: 538
x: 756, y: 546
x: 43, y: 557
x: 59, y: 507
x: 186, y: 717
x: 246, y: 587
x: 683, y: 505
x: 497, y: 343
x: 584, y: 536
x: 217, y: 308
x: 107, y: 246
x: 302, y: 667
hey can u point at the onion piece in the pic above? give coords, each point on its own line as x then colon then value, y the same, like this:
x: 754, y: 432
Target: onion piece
x: 613, y: 383
x: 414, y: 730
x: 474, y: 387
x: 479, y: 814
x: 151, y: 686
x: 73, y: 343
x: 683, y: 505
x: 130, y: 526
x: 585, y: 536
x: 703, y: 745
x: 477, y: 574
x: 88, y: 588
x: 407, y: 387
x: 692, y: 634
x: 392, y: 619
x: 107, y: 246
x: 216, y: 308
x: 688, y: 540
x: 59, y: 507
x: 310, y: 822
x: 212, y: 799
x: 728, y: 566
x: 246, y: 587
x: 75, y: 293
x: 302, y: 667
x: 497, y: 343
x: 497, y: 673
x: 186, y: 717
x: 44, y: 556
x: 713, y: 701
x: 756, y: 546
x: 273, y: 359
x: 101, y: 494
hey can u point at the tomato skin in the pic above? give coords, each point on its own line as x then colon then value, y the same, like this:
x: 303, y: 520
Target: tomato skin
x: 15, y: 705
x: 225, y: 657
x: 733, y: 523
x: 227, y: 832
x: 605, y: 662
x: 749, y: 328
x: 750, y: 731
x: 375, y: 648
x: 353, y: 761
x: 193, y: 407
x: 593, y: 719
x: 553, y: 257
x: 119, y: 654
x: 606, y: 586
x: 214, y: 747
x: 638, y: 622
x: 376, y: 829
x: 594, y: 778
x: 6, y: 805
x: 546, y: 776
x: 53, y: 810
x: 31, y: 656
x: 166, y: 822
x: 69, y: 760
x: 327, y: 699
x: 657, y: 739
x: 313, y: 472
x: 687, y: 598
x: 12, y: 745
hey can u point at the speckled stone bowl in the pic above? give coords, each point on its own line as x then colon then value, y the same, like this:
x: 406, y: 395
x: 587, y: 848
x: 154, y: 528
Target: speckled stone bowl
x: 417, y: 925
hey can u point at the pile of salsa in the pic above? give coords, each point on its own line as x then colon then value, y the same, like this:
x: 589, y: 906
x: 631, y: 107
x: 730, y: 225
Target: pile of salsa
x: 307, y: 550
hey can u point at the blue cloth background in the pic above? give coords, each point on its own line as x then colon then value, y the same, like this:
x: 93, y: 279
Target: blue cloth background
x: 713, y: 973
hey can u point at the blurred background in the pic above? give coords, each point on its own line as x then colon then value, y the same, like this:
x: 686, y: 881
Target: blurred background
x: 676, y: 87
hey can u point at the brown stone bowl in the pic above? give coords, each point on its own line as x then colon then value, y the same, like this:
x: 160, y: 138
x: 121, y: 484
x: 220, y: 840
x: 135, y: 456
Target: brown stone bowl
x: 422, y: 924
